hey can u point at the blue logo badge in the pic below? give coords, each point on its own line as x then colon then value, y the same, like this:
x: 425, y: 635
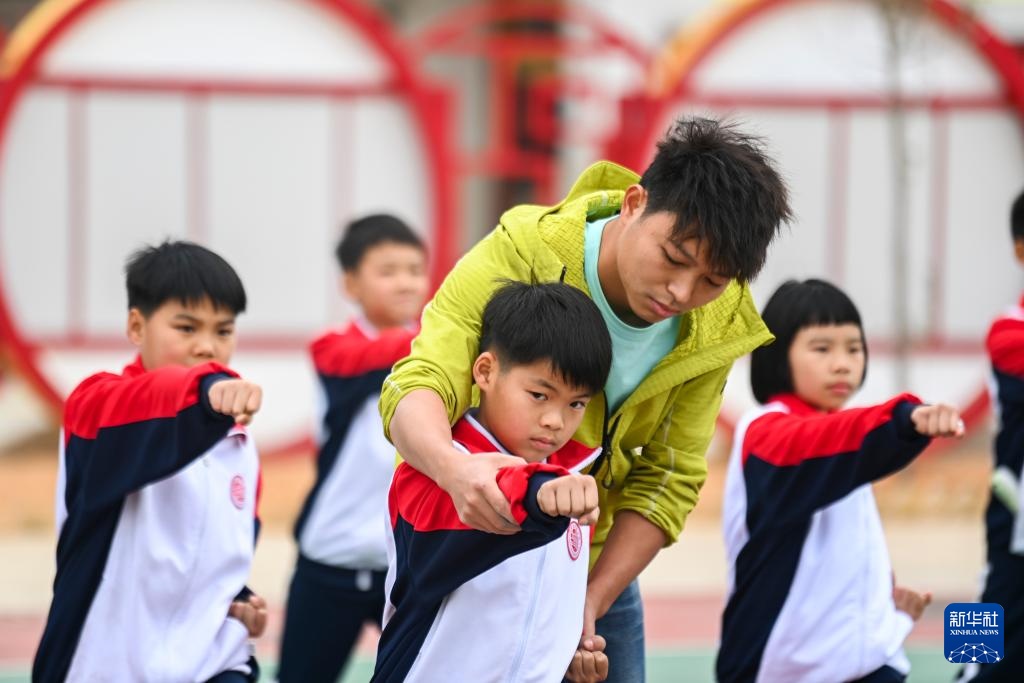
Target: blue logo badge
x: 974, y: 632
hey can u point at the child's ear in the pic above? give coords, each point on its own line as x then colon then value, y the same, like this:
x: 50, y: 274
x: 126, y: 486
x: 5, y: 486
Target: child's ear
x: 136, y: 327
x: 1018, y: 249
x: 485, y: 369
x: 350, y: 285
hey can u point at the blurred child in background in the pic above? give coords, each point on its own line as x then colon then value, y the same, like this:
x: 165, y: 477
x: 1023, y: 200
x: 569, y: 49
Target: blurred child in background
x: 157, y: 491
x: 338, y: 583
x: 811, y: 590
x: 1004, y: 525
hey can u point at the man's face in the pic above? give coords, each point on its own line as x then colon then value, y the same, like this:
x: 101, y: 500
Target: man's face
x: 180, y: 334
x: 660, y: 277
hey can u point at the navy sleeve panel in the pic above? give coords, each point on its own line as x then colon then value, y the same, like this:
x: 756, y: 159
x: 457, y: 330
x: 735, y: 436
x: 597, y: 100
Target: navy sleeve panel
x: 345, y: 396
x: 102, y: 470
x: 348, y: 354
x: 795, y: 465
x: 432, y: 564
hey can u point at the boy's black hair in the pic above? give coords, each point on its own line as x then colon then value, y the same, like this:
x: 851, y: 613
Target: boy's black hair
x: 794, y: 306
x: 524, y: 323
x: 723, y: 189
x: 181, y: 271
x: 369, y: 231
x: 1017, y: 218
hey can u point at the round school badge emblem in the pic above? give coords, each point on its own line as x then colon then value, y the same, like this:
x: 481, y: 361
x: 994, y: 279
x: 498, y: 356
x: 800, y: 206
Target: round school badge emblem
x: 574, y: 539
x: 238, y: 491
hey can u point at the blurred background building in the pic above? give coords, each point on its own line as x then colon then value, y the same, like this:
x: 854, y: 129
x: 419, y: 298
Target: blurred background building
x: 260, y: 127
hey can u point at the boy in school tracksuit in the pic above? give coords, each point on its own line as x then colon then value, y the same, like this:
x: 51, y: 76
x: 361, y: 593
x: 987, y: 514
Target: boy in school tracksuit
x: 157, y: 491
x: 338, y: 585
x: 466, y: 605
x: 1004, y: 524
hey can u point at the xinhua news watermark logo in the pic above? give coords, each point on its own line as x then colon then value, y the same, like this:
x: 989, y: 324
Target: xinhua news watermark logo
x: 974, y: 632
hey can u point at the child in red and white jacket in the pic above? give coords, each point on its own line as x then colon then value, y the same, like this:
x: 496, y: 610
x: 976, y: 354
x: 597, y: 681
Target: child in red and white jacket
x: 466, y: 605
x: 811, y: 590
x: 157, y: 491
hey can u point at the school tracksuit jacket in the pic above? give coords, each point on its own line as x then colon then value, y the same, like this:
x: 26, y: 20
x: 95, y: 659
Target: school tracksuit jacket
x: 1005, y: 345
x: 156, y: 515
x: 464, y: 605
x: 1004, y: 578
x: 342, y: 522
x: 810, y: 582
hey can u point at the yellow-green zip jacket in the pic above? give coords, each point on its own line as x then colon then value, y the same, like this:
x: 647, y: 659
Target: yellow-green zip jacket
x: 655, y: 462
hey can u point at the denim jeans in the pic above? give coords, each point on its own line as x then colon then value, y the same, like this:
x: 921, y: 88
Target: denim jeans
x: 623, y: 628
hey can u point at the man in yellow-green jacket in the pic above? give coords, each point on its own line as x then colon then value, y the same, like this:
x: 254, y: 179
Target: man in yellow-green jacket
x: 666, y: 258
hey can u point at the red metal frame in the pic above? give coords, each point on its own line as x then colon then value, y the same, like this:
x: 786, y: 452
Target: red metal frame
x: 428, y: 102
x: 635, y: 145
x: 467, y: 31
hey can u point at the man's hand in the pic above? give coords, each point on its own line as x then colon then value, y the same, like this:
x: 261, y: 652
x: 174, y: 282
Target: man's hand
x: 911, y: 602
x: 236, y: 397
x: 574, y: 495
x: 252, y: 613
x: 471, y: 482
x: 589, y: 663
x: 937, y: 420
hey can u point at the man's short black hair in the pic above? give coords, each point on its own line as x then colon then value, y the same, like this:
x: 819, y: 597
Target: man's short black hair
x: 525, y: 323
x: 369, y: 231
x: 1017, y: 218
x: 794, y: 306
x: 181, y: 271
x: 723, y: 189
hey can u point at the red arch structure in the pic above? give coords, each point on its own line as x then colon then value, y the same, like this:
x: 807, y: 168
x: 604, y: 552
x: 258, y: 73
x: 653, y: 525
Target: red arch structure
x: 427, y: 103
x: 672, y: 81
x: 498, y: 33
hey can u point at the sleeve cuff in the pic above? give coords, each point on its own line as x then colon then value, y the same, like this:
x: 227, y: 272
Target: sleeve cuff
x: 904, y: 425
x: 204, y: 392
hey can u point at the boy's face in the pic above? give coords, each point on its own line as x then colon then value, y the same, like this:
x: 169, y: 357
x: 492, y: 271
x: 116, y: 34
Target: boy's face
x: 827, y: 364
x: 389, y: 284
x: 180, y: 334
x: 658, y: 278
x: 528, y: 408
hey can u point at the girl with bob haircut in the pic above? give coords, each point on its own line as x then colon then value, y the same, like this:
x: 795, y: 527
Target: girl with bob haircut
x: 811, y: 590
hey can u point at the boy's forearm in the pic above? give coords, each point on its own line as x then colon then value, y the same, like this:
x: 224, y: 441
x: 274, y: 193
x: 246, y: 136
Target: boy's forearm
x: 421, y: 433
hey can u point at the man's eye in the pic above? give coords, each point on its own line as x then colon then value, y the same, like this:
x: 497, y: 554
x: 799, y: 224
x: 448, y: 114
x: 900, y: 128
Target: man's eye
x: 188, y: 329
x: 579, y: 405
x: 538, y: 396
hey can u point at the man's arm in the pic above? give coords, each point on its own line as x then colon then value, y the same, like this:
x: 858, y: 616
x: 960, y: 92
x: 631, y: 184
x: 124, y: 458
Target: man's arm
x: 631, y: 545
x: 421, y: 433
x: 430, y: 388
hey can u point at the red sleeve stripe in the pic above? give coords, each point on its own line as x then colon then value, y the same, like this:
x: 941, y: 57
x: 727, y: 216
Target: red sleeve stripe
x: 351, y: 353
x: 1005, y: 344
x: 427, y: 507
x: 419, y: 501
x: 784, y: 439
x: 108, y: 400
